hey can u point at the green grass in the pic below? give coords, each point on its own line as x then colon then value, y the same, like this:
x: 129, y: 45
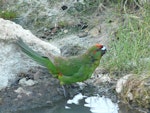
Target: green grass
x: 130, y: 51
x: 8, y: 14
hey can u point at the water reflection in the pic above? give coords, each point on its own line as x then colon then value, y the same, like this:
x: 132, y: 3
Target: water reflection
x: 96, y: 104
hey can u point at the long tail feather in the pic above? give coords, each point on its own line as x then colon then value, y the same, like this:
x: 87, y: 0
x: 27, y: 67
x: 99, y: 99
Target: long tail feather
x: 44, y: 61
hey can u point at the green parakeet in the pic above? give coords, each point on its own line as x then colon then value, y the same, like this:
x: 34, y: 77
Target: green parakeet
x: 68, y: 69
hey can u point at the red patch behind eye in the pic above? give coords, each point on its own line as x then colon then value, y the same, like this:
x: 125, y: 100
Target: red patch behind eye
x: 99, y: 45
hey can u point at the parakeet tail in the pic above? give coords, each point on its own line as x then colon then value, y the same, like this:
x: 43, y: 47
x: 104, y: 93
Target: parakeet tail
x: 44, y: 61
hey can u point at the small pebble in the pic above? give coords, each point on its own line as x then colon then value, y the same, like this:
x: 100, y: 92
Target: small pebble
x: 83, y: 34
x: 65, y: 31
x: 25, y: 82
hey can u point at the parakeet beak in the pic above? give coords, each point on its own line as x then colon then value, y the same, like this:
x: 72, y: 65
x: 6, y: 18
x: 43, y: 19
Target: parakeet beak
x: 103, y: 49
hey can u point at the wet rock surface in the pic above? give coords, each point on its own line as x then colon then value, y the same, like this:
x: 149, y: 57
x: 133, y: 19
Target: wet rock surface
x: 44, y: 93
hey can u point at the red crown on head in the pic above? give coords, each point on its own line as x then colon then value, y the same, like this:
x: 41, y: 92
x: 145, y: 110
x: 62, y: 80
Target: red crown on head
x: 99, y: 45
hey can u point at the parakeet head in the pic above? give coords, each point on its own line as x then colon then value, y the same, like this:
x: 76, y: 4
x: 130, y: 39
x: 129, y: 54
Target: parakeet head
x: 101, y: 48
x: 96, y: 51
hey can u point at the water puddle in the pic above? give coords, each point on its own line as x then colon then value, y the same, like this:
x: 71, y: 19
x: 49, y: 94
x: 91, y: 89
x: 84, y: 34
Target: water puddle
x: 83, y: 104
x: 94, y: 104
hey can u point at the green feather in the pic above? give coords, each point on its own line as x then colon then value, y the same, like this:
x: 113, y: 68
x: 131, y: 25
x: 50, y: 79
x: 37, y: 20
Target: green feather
x: 44, y: 61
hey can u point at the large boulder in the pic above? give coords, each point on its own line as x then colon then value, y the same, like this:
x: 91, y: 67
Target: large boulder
x: 12, y: 60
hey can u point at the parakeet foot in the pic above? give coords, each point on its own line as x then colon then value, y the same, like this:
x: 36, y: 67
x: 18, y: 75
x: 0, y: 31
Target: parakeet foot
x: 64, y: 91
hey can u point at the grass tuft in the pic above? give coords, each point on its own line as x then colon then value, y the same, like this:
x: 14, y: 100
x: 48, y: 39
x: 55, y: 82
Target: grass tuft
x: 8, y: 14
x: 130, y: 50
